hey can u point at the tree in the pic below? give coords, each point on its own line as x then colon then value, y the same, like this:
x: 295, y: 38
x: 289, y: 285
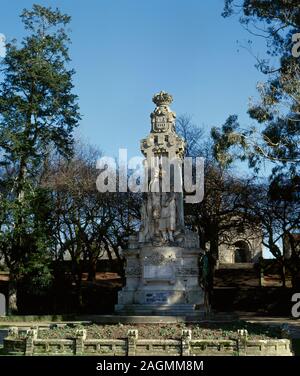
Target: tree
x: 278, y: 110
x: 38, y: 111
x: 87, y: 224
x: 191, y: 133
x: 222, y: 209
x: 277, y: 209
x: 222, y: 212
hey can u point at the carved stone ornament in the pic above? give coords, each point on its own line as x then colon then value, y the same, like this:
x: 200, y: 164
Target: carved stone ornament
x: 157, y: 258
x: 133, y: 270
x: 187, y: 271
x: 162, y: 99
x: 162, y: 118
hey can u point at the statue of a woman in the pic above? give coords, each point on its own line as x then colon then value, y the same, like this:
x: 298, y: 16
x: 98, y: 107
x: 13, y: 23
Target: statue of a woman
x: 151, y: 210
x: 167, y: 223
x: 144, y: 229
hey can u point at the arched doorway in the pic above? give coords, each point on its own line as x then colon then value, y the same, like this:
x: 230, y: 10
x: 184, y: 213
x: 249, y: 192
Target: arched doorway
x: 242, y: 252
x: 2, y: 305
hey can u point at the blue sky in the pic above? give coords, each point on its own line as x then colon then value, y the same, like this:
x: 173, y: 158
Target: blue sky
x: 124, y: 51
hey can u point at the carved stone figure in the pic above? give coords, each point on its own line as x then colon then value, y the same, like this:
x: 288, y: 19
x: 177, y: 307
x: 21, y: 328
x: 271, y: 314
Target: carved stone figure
x: 162, y: 212
x: 167, y: 223
x: 144, y: 232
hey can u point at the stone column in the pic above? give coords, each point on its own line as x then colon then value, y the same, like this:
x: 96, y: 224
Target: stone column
x: 132, y: 337
x: 242, y: 341
x: 186, y: 336
x: 32, y: 334
x: 79, y: 341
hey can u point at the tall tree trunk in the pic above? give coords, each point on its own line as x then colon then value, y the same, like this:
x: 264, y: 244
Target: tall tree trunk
x: 214, y: 246
x: 79, y: 293
x: 283, y: 279
x: 92, y: 270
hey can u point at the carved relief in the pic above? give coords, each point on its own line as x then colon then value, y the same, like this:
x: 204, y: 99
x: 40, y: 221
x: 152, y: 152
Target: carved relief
x: 133, y: 270
x: 191, y: 240
x: 157, y: 258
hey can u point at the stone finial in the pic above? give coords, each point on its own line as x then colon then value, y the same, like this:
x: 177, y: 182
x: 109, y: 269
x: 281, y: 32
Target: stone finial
x: 81, y: 333
x: 186, y: 334
x: 162, y: 99
x: 133, y: 333
x: 32, y: 333
x: 242, y: 333
x: 13, y: 331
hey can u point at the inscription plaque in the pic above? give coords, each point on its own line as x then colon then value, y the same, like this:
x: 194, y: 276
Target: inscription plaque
x: 158, y: 272
x: 157, y: 297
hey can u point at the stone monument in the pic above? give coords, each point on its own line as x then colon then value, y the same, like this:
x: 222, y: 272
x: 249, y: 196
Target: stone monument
x: 162, y: 272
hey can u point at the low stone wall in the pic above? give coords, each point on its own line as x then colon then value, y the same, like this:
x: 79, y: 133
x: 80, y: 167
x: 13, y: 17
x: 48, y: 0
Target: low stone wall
x: 132, y: 345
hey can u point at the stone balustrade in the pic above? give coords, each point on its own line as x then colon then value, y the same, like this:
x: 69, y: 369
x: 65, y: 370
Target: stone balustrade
x: 132, y: 345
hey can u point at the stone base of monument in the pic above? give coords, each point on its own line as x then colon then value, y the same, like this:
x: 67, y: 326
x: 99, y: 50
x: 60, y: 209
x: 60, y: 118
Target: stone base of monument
x: 162, y: 280
x: 184, y: 310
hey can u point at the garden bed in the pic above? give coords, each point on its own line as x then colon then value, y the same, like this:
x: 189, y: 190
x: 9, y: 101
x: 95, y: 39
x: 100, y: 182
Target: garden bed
x: 162, y: 331
x: 238, y: 338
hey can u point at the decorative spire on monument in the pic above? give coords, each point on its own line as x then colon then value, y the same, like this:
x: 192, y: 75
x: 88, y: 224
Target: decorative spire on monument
x: 162, y: 210
x: 163, y: 140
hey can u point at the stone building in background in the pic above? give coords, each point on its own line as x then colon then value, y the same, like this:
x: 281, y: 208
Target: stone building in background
x: 241, y: 247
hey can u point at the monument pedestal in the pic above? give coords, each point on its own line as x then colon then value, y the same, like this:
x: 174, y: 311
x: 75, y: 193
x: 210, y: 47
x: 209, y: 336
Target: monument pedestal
x: 161, y: 280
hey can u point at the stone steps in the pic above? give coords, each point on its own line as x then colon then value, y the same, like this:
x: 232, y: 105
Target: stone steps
x: 161, y: 309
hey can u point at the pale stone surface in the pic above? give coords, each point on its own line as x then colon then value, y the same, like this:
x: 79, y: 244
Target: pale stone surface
x: 2, y: 305
x: 162, y: 211
x: 131, y: 346
x: 162, y: 259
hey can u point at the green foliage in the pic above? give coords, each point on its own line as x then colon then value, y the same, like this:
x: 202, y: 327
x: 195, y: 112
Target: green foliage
x: 274, y: 204
x: 38, y: 112
x: 224, y: 139
x: 37, y: 106
x: 278, y: 110
x: 24, y: 238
